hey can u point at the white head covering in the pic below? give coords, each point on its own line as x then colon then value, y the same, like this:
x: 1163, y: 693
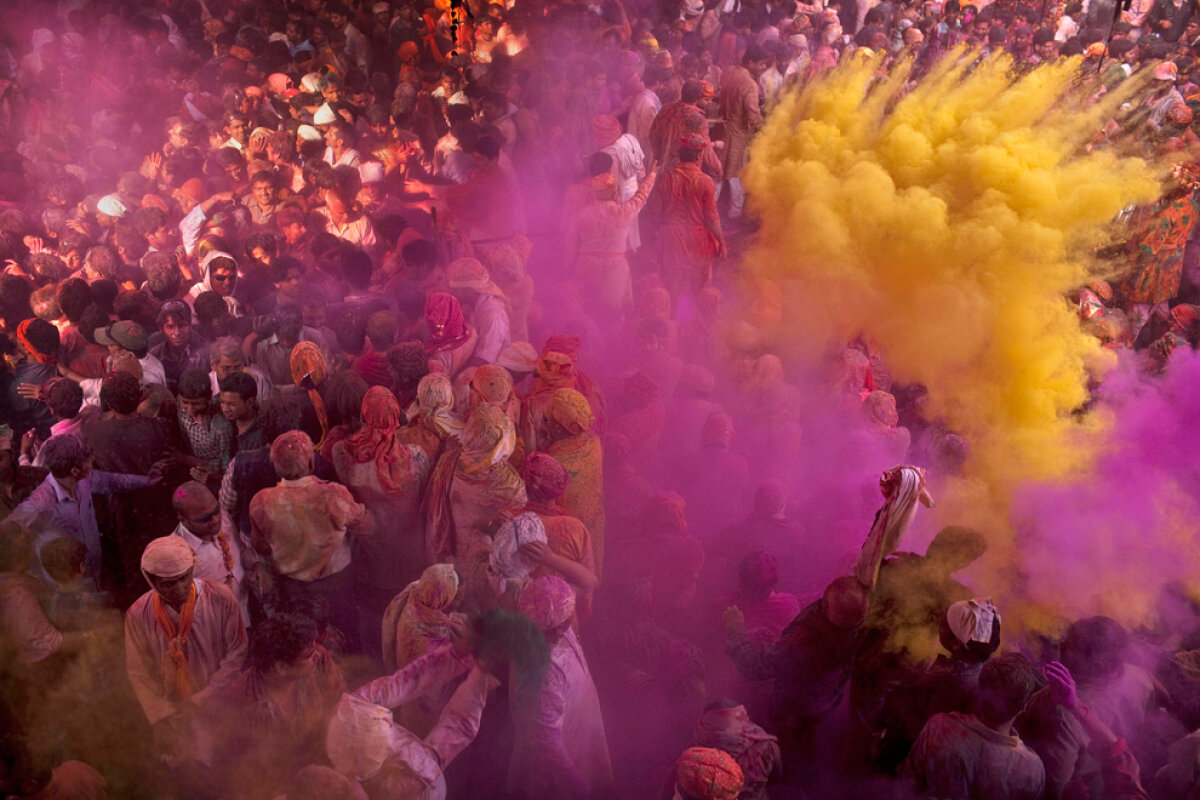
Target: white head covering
x: 972, y: 620
x: 370, y: 172
x: 505, y: 561
x: 308, y: 133
x: 324, y: 115
x: 111, y: 204
x: 310, y: 82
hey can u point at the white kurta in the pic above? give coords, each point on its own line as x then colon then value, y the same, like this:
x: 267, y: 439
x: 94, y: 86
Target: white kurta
x: 216, y: 648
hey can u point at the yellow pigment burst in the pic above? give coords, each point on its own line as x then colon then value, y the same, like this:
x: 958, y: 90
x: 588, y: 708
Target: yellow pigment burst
x: 945, y: 224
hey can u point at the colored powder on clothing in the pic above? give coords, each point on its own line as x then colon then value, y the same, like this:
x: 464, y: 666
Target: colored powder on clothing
x: 945, y: 225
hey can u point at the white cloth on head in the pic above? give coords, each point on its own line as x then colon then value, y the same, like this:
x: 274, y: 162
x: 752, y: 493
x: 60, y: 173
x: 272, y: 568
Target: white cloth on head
x: 111, y: 205
x: 505, y: 562
x: 324, y: 115
x: 972, y: 620
x: 902, y: 487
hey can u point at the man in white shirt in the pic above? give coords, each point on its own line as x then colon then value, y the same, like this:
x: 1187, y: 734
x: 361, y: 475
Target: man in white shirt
x: 340, y: 139
x: 213, y: 539
x: 184, y: 642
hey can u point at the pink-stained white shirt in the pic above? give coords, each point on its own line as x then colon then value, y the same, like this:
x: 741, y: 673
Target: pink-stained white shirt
x: 216, y: 648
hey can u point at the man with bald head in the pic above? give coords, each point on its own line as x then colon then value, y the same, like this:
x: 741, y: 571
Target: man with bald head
x: 346, y: 221
x: 184, y: 642
x: 212, y: 537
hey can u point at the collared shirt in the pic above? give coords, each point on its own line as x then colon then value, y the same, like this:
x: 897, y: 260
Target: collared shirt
x: 303, y: 524
x: 210, y: 560
x: 52, y: 506
x: 357, y: 232
x: 208, y: 440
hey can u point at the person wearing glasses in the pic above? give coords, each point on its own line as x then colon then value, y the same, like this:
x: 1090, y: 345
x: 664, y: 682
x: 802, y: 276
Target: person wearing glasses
x: 211, y: 535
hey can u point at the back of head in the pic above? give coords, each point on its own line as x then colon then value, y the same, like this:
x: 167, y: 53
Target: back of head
x: 63, y: 453
x: 281, y: 640
x: 63, y: 558
x: 292, y: 455
x: 770, y: 499
x: 64, y: 397
x: 120, y: 392
x: 846, y: 601
x: 758, y: 573
x: 1094, y: 649
x: 1005, y: 686
x: 195, y: 384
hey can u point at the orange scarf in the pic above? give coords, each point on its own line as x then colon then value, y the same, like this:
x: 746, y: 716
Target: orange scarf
x: 175, y: 662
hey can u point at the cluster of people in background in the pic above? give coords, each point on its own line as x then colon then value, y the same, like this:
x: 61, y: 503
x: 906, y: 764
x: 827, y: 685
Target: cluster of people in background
x: 386, y: 414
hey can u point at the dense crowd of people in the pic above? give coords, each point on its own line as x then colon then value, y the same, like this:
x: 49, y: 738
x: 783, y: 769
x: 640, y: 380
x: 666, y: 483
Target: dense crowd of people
x: 386, y: 414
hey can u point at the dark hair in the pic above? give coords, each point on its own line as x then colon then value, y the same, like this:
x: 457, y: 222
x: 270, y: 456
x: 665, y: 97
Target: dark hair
x: 599, y: 163
x: 1094, y: 648
x: 210, y: 306
x: 488, y: 147
x: 120, y: 392
x: 43, y: 336
x: 63, y: 558
x: 242, y: 383
x: 281, y: 639
x: 518, y: 639
x: 356, y: 267
x: 281, y: 265
x: 1005, y: 686
x: 104, y: 293
x: 409, y: 362
x: 63, y: 453
x: 194, y: 384
x: 262, y: 176
x: 149, y: 219
x: 173, y: 309
x: 343, y: 397
x: 420, y: 253
x: 64, y: 398
x: 281, y: 413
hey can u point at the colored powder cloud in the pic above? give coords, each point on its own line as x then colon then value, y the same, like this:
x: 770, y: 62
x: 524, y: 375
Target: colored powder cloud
x: 945, y: 222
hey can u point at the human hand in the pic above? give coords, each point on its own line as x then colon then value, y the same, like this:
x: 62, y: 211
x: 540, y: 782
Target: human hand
x: 200, y: 475
x: 1062, y: 685
x: 35, y: 244
x: 158, y: 469
x: 460, y: 635
x: 30, y: 444
x: 29, y: 391
x: 733, y: 619
x: 537, y: 552
x: 151, y: 166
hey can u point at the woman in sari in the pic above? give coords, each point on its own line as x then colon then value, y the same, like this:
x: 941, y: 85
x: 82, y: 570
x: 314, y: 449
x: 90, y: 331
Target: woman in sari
x: 554, y: 371
x: 451, y: 340
x: 546, y: 482
x: 381, y: 471
x: 471, y: 485
x: 431, y: 420
x: 569, y: 439
x: 492, y: 386
x: 418, y: 621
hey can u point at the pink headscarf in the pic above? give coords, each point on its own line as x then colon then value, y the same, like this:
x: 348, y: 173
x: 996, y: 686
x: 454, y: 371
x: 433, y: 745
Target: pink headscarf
x: 549, y: 601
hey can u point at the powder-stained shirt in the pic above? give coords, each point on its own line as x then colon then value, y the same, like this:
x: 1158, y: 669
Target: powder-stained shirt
x: 303, y: 523
x: 52, y: 506
x: 211, y: 564
x: 216, y: 648
x: 957, y: 757
x: 24, y: 628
